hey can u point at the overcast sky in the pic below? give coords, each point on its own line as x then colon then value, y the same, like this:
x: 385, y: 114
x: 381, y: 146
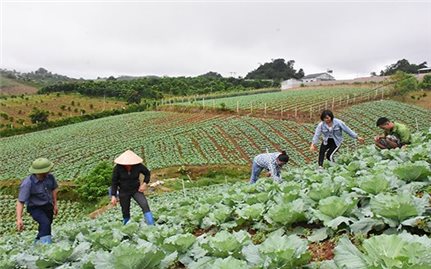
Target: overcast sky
x: 90, y: 39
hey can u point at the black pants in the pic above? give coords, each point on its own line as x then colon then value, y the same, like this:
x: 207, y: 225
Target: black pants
x: 43, y: 215
x: 330, y: 149
x: 125, y: 202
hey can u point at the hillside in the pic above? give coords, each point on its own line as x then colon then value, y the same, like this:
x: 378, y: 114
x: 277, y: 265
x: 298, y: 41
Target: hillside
x: 9, y: 86
x: 16, y: 110
x: 167, y: 139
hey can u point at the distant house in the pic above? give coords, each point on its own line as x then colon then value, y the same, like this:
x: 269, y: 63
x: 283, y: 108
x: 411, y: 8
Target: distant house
x: 317, y: 77
x: 424, y: 70
x: 293, y: 83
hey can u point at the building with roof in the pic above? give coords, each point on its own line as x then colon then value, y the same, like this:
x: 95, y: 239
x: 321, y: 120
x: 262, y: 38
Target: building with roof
x: 317, y: 77
x: 293, y: 83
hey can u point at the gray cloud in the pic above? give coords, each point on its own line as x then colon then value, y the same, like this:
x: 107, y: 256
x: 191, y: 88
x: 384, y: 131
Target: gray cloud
x: 191, y: 38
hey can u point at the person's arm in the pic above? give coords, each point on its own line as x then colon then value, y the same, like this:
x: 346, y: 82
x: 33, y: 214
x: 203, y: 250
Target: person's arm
x: 54, y: 201
x: 147, y: 177
x: 275, y: 172
x: 350, y: 132
x: 315, y: 141
x: 23, y: 196
x: 114, y: 185
x: 146, y: 173
x: 19, y: 222
x: 54, y: 196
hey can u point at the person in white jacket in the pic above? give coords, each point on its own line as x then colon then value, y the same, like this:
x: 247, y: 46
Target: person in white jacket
x: 272, y: 162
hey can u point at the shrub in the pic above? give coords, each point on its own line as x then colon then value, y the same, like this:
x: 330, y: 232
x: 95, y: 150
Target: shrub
x: 403, y: 82
x: 96, y: 183
x: 39, y: 116
x: 426, y: 83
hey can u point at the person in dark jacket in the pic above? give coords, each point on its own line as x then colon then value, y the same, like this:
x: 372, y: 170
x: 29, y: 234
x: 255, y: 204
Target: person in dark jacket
x: 125, y: 177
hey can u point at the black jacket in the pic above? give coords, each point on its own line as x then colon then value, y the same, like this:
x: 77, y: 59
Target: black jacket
x: 128, y: 181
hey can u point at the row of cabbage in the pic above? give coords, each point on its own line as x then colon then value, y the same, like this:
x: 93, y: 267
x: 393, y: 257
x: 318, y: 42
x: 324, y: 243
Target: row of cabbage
x: 374, y: 205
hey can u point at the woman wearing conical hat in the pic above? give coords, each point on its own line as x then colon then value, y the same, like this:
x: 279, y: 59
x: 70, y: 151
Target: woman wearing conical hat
x: 126, y: 178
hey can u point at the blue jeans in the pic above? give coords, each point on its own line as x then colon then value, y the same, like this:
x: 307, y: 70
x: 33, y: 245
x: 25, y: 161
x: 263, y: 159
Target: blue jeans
x: 43, y: 215
x: 255, y: 172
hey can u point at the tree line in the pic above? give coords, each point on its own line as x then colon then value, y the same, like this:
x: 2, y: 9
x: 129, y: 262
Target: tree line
x: 158, y: 87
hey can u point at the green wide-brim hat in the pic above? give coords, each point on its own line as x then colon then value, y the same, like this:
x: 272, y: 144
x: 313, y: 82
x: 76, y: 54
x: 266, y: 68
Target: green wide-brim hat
x: 41, y: 166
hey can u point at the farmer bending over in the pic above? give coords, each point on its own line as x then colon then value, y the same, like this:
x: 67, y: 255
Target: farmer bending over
x: 272, y: 162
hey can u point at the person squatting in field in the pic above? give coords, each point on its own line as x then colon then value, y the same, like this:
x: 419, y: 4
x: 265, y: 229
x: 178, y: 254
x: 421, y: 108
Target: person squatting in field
x: 396, y: 135
x: 331, y: 129
x: 38, y: 192
x: 272, y: 162
x: 125, y: 177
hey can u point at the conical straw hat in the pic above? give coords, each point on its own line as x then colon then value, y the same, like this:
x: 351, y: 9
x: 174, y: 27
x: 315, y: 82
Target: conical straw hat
x: 128, y: 158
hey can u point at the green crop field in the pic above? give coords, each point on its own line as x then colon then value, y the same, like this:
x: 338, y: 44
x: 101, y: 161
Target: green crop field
x: 294, y: 101
x: 166, y: 139
x: 369, y: 210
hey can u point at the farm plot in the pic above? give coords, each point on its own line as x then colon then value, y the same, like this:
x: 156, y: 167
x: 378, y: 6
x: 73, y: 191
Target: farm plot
x: 15, y: 110
x: 294, y: 102
x: 167, y: 139
x: 369, y: 210
x: 163, y: 139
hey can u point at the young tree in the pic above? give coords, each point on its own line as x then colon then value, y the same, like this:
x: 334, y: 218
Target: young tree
x: 39, y: 116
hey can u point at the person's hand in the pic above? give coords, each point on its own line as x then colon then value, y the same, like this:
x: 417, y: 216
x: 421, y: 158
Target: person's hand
x: 114, y: 201
x: 143, y: 187
x: 313, y: 148
x: 19, y: 225
x: 361, y: 140
x: 377, y: 138
x: 55, y: 210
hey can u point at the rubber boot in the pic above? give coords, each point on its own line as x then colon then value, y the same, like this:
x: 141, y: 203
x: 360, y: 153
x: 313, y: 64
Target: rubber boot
x: 126, y: 220
x: 46, y: 239
x: 149, y: 218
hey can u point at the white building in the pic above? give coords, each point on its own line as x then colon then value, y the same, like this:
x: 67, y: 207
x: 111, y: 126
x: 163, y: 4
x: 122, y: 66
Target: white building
x: 317, y: 77
x: 293, y: 83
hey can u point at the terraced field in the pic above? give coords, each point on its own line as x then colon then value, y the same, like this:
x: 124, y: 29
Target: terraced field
x: 167, y: 139
x: 294, y: 102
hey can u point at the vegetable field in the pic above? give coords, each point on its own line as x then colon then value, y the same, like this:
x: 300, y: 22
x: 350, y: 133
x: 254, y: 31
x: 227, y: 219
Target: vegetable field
x: 370, y: 210
x: 294, y: 102
x: 167, y: 139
